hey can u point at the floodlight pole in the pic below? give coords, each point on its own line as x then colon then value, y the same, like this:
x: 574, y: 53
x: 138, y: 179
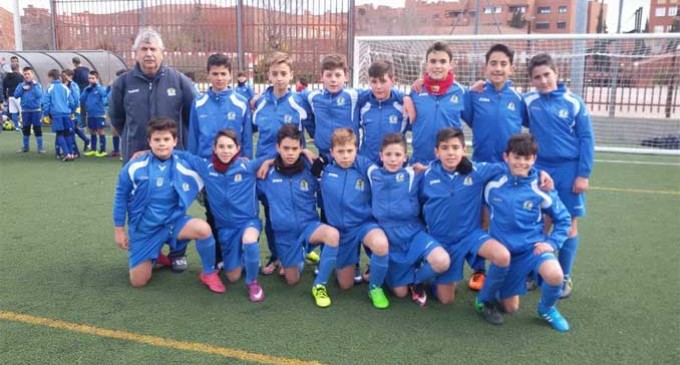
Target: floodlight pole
x: 578, y: 65
x: 18, y: 40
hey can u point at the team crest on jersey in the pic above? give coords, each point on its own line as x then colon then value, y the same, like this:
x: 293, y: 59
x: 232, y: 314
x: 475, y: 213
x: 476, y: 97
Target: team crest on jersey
x: 172, y: 91
x: 511, y: 106
x: 454, y: 99
x: 467, y: 181
x: 400, y: 177
x: 564, y: 113
x: 304, y: 185
x: 231, y: 116
x: 359, y: 185
x: 288, y: 118
x: 185, y: 187
x: 340, y: 101
x: 238, y: 177
x: 528, y: 205
x: 393, y: 119
x: 159, y: 182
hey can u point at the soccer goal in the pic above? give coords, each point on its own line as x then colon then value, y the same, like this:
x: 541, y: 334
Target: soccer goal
x: 628, y: 81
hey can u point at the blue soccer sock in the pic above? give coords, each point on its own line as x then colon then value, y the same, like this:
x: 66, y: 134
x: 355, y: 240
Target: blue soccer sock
x: 493, y: 283
x: 25, y: 141
x: 206, y: 251
x: 424, y: 273
x: 252, y: 259
x: 102, y: 143
x: 549, y: 296
x: 326, y: 265
x: 61, y: 144
x: 39, y: 142
x: 378, y: 270
x: 93, y: 142
x: 567, y: 255
x: 116, y: 143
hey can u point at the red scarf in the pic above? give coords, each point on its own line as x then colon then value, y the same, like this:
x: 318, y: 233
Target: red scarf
x: 438, y: 87
x: 220, y: 166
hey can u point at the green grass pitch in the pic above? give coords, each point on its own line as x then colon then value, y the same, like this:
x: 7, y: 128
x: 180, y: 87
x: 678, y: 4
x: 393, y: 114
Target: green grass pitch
x: 58, y: 261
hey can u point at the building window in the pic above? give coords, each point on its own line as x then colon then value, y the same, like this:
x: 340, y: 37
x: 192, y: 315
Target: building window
x: 562, y: 10
x: 660, y: 11
x: 488, y: 10
x: 673, y: 11
x: 658, y: 29
x: 544, y: 10
x: 521, y: 9
x: 498, y: 9
x: 561, y: 25
x: 542, y: 25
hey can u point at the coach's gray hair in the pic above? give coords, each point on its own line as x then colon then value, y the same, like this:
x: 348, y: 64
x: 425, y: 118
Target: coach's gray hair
x: 145, y: 35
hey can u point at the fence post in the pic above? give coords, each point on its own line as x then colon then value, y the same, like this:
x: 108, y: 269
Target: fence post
x: 671, y: 83
x: 53, y: 23
x: 350, y: 40
x: 578, y: 65
x: 239, y: 34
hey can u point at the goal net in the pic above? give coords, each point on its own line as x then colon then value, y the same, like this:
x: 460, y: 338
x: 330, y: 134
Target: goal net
x: 629, y: 82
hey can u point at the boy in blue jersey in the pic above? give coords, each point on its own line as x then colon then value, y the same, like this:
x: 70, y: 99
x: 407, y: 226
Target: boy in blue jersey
x: 230, y: 184
x: 451, y: 195
x: 382, y: 113
x: 494, y: 114
x: 58, y: 103
x: 291, y: 191
x: 94, y: 98
x: 346, y: 194
x: 31, y: 95
x: 561, y: 124
x: 414, y: 256
x: 76, y: 116
x: 220, y: 107
x: 440, y: 104
x: 243, y: 87
x: 517, y: 207
x: 154, y: 192
x: 274, y: 108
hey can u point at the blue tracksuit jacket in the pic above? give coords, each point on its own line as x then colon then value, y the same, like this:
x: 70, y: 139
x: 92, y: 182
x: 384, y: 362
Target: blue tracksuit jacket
x: 377, y: 119
x: 517, y: 206
x: 31, y: 99
x: 452, y: 202
x: 494, y: 116
x: 346, y: 194
x: 58, y: 100
x: 561, y: 124
x: 95, y: 98
x: 245, y: 90
x: 212, y: 112
x: 271, y: 113
x: 75, y: 91
x: 133, y: 189
x: 432, y: 114
x: 394, y: 197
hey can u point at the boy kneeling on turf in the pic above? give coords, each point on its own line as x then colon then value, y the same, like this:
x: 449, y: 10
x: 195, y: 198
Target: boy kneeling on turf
x: 154, y: 191
x: 517, y: 207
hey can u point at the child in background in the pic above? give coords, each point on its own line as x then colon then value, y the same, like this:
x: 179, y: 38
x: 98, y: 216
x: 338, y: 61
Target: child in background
x: 301, y: 84
x: 58, y: 103
x: 94, y: 99
x: 115, y: 138
x: 76, y: 117
x: 31, y: 95
x: 243, y: 87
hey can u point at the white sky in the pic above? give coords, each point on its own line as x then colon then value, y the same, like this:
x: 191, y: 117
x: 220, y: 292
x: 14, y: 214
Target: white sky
x: 627, y: 22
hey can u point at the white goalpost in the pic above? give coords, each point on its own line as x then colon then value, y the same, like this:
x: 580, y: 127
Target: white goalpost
x: 629, y: 82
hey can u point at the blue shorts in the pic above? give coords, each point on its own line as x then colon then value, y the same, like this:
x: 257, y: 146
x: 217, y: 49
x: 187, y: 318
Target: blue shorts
x: 564, y: 176
x: 62, y: 124
x: 350, y: 239
x: 95, y: 123
x: 469, y: 246
x: 231, y: 243
x: 146, y: 244
x: 406, y: 258
x: 290, y: 246
x: 521, y: 265
x: 31, y: 119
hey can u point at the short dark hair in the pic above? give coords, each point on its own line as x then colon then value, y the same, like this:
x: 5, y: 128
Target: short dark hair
x: 191, y: 75
x: 27, y: 68
x: 381, y: 68
x: 95, y: 74
x: 289, y: 130
x: 522, y: 144
x: 229, y: 133
x: 54, y: 74
x: 303, y: 81
x: 499, y: 47
x: 161, y: 124
x: 241, y: 74
x: 541, y: 59
x: 445, y: 134
x: 14, y: 58
x: 394, y: 138
x: 218, y: 59
x: 439, y: 47
x: 76, y: 60
x: 67, y: 71
x: 334, y: 61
